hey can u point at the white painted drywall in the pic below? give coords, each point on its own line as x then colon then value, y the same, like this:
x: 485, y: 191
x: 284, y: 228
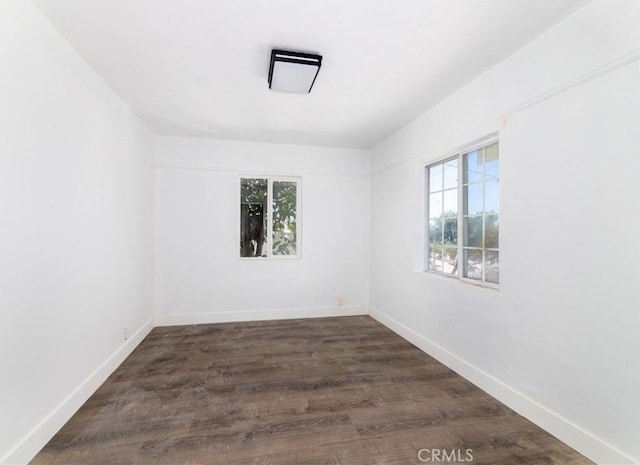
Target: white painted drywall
x: 199, y: 276
x: 562, y: 331
x: 76, y: 229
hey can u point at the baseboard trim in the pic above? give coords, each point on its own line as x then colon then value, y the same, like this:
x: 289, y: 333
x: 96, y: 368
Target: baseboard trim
x: 576, y: 437
x: 584, y: 442
x: 259, y: 315
x: 32, y: 442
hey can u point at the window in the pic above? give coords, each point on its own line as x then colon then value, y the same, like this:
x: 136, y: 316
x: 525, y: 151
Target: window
x: 464, y: 215
x: 269, y: 211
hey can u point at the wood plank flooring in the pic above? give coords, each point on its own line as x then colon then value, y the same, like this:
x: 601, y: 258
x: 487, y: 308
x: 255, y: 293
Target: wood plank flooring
x: 314, y: 391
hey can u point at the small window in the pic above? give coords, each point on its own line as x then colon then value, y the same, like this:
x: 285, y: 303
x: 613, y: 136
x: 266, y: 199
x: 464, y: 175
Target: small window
x: 269, y: 213
x: 464, y: 215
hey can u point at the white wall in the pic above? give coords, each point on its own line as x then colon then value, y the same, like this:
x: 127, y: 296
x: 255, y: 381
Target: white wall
x: 559, y: 340
x: 199, y: 277
x: 76, y: 238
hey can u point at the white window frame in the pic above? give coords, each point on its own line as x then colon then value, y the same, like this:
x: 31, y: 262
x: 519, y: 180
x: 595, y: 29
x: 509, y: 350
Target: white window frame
x: 457, y: 154
x: 270, y: 180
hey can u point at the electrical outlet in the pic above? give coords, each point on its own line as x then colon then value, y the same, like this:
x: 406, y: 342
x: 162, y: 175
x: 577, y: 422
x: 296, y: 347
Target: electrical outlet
x: 126, y: 334
x: 340, y: 301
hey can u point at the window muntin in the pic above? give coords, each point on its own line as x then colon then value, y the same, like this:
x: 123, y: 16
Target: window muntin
x: 269, y: 217
x: 475, y: 211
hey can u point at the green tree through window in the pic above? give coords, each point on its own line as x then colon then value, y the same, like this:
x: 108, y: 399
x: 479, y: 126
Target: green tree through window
x: 269, y: 217
x: 464, y: 215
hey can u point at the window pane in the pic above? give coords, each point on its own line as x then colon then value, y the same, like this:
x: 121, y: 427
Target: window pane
x: 433, y: 264
x: 451, y: 174
x: 435, y: 231
x: 473, y: 231
x: 435, y: 205
x: 473, y: 199
x: 253, y: 190
x: 435, y: 257
x: 492, y: 197
x: 492, y: 232
x: 491, y: 162
x: 253, y: 217
x: 449, y: 263
x: 492, y: 267
x: 473, y: 166
x: 285, y: 194
x: 450, y: 233
x: 435, y: 178
x: 473, y: 264
x: 450, y: 207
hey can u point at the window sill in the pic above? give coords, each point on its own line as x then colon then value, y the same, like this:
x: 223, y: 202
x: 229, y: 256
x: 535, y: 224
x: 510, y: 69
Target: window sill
x: 275, y: 258
x: 444, y: 276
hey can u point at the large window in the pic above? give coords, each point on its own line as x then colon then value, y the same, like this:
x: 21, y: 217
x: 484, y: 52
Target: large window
x: 269, y: 212
x: 464, y: 215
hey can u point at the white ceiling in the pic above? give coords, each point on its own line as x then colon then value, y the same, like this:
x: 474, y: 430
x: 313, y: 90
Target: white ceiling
x: 199, y: 67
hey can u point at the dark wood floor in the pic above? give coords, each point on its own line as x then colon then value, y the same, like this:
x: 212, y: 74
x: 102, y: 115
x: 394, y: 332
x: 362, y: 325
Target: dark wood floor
x: 316, y: 391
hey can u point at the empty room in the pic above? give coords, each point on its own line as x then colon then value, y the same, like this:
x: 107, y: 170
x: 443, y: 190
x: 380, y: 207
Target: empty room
x: 338, y: 232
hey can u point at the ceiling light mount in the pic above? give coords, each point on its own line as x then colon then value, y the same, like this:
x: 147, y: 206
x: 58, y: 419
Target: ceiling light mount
x: 293, y: 72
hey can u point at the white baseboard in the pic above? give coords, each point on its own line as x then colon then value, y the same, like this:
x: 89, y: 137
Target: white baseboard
x: 584, y: 442
x: 32, y: 442
x: 259, y: 315
x: 576, y: 437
